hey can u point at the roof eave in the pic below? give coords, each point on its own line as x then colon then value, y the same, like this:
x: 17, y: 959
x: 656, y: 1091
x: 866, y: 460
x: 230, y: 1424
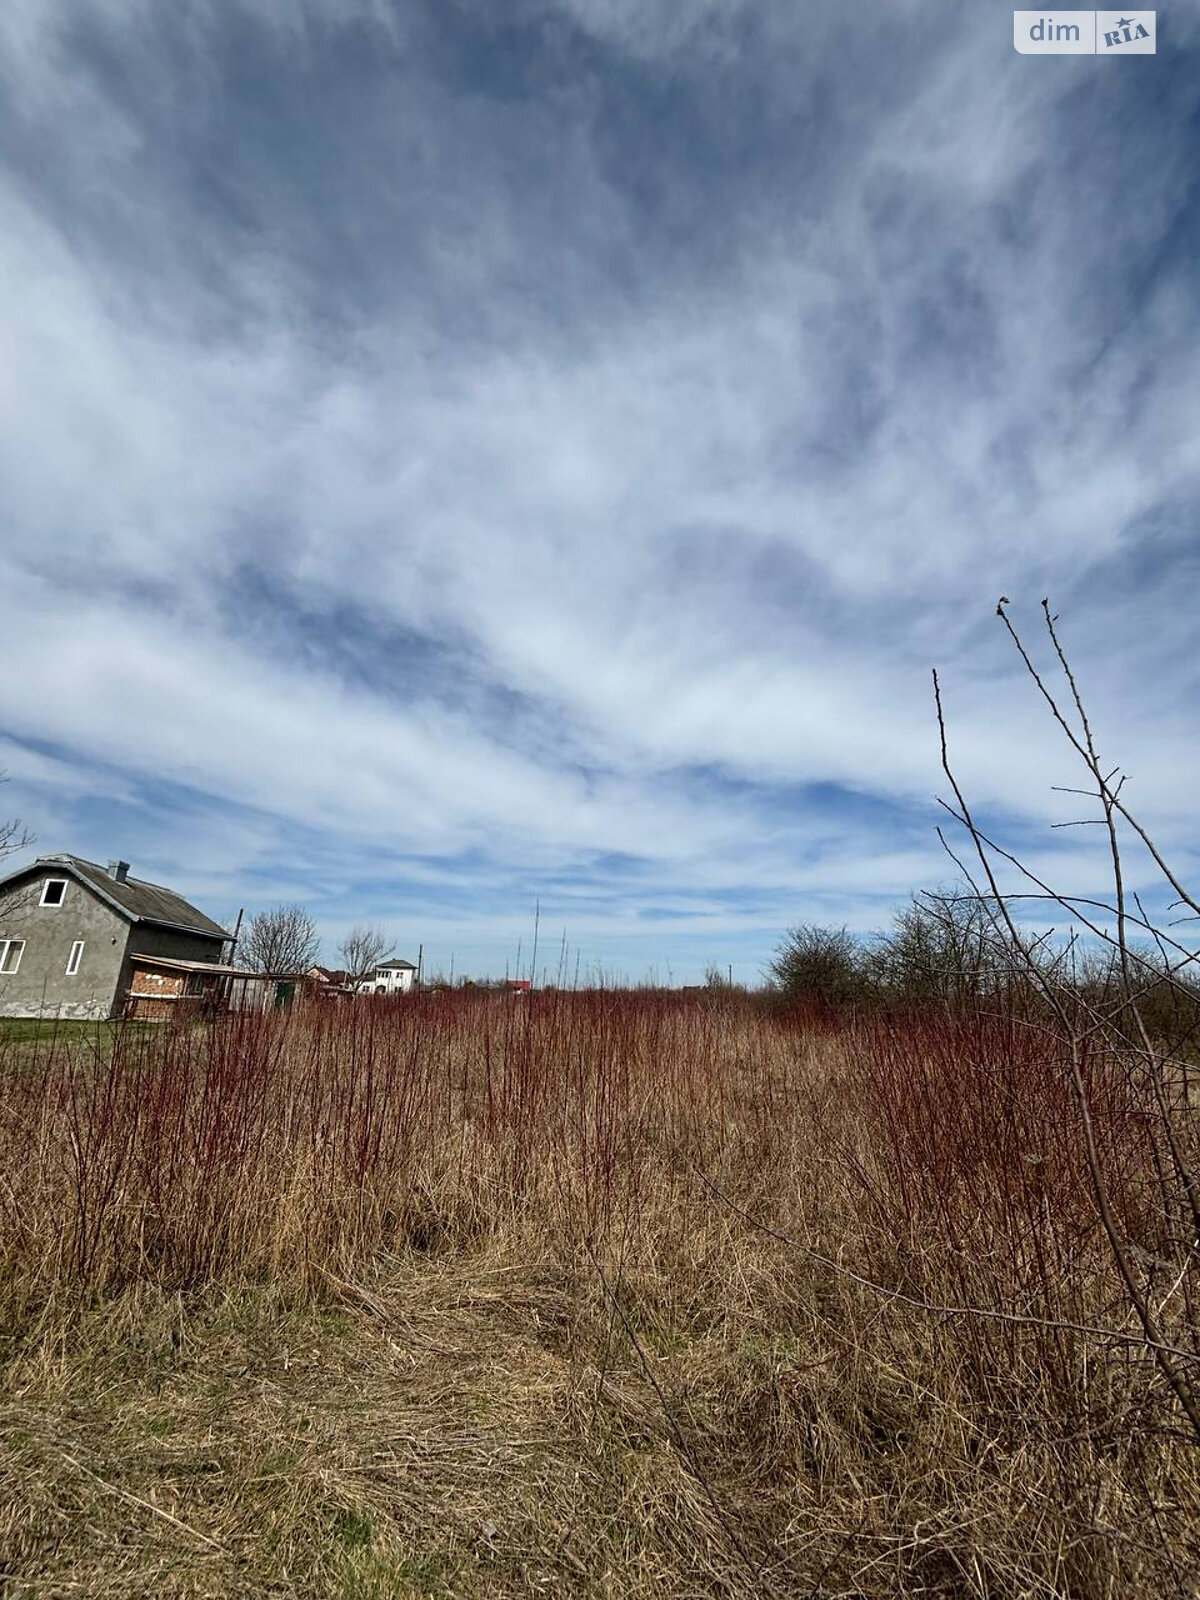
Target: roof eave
x: 182, y: 927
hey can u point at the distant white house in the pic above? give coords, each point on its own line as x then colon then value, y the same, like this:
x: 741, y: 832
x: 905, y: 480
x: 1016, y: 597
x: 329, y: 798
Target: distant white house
x: 389, y: 977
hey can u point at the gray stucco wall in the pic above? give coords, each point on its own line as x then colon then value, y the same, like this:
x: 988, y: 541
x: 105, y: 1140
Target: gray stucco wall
x: 40, y: 986
x: 147, y: 940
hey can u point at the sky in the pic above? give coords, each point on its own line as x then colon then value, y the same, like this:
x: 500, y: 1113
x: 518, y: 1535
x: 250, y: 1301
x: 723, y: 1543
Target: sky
x: 460, y: 458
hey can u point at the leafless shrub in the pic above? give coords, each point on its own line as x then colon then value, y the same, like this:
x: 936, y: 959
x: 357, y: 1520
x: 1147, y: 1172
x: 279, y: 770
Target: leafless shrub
x: 942, y: 949
x: 819, y: 965
x: 1107, y: 1017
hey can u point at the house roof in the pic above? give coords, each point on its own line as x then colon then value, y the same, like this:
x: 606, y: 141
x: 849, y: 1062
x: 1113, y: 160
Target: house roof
x: 391, y: 966
x: 135, y: 899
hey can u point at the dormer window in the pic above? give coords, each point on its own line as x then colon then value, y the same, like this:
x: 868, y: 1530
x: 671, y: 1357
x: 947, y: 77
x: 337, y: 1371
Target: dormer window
x: 54, y: 891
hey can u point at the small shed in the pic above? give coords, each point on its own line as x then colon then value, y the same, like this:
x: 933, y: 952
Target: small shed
x: 269, y: 991
x: 161, y: 988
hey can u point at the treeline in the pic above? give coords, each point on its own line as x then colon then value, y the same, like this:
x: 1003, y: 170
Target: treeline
x: 955, y: 950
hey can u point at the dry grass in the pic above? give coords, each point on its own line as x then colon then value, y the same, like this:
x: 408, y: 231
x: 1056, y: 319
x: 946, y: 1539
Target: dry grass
x: 479, y: 1298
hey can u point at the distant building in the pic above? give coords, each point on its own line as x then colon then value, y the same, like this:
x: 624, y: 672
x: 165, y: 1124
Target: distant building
x: 333, y: 977
x: 389, y: 977
x: 85, y: 941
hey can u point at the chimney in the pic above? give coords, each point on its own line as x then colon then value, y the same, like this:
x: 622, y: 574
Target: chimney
x: 118, y: 871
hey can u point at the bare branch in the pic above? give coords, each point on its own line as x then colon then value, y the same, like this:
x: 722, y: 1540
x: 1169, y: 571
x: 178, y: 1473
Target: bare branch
x: 361, y: 951
x: 14, y: 837
x: 1085, y: 746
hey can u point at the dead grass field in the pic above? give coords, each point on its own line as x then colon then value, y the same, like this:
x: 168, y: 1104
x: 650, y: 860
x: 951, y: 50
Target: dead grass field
x: 477, y: 1298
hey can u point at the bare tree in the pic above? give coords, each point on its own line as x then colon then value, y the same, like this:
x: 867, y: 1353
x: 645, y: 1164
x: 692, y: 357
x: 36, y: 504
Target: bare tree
x: 13, y: 836
x: 283, y: 939
x: 362, y: 950
x: 943, y: 948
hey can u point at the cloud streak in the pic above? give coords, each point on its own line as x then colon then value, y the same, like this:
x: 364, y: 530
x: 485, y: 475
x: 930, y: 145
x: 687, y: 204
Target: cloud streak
x: 470, y: 451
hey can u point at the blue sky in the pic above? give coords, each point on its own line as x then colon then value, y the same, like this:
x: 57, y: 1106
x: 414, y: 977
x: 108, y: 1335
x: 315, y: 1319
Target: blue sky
x: 457, y: 455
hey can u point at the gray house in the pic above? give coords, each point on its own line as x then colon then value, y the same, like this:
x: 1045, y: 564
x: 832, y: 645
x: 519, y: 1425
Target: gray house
x: 73, y: 935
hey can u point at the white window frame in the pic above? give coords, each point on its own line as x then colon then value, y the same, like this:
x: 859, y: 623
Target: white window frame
x: 5, y: 946
x: 75, y: 958
x: 53, y: 905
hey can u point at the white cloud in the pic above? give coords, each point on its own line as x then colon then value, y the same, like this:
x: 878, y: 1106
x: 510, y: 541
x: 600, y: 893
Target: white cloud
x: 720, y: 520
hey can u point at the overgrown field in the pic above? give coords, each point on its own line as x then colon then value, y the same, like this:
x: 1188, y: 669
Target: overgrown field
x: 605, y: 1294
